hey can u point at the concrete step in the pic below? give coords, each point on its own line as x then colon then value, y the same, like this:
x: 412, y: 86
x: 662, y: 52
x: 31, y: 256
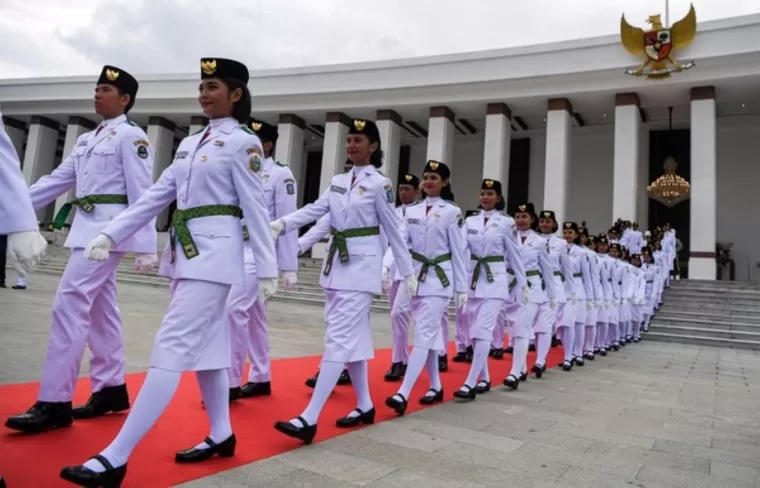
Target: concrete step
x: 720, y: 327
x: 700, y: 340
x: 700, y: 306
x: 729, y: 315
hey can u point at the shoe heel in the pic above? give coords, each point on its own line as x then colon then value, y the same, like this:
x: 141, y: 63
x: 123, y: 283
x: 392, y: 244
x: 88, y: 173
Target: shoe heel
x: 369, y: 417
x: 227, y: 450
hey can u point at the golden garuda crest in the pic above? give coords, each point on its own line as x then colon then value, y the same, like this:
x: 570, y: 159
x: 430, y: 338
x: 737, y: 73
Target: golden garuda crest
x: 658, y: 45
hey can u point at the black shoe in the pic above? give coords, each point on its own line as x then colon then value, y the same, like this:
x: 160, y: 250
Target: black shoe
x: 312, y: 382
x: 2, y: 285
x: 110, y: 478
x: 110, y: 399
x: 532, y: 348
x: 603, y: 352
x: 567, y: 365
x: 579, y: 361
x: 524, y: 377
x: 555, y: 341
x: 43, y: 416
x: 512, y: 382
x: 344, y: 378
x: 509, y: 350
x: 466, y: 392
x: 483, y: 387
x: 437, y: 397
x: 461, y: 357
x: 469, y: 353
x: 538, y: 370
x: 367, y: 417
x: 396, y: 372
x: 589, y: 356
x: 225, y: 449
x: 17, y: 287
x: 304, y: 433
x: 443, y: 363
x: 252, y: 389
x: 397, y: 402
x: 2, y: 483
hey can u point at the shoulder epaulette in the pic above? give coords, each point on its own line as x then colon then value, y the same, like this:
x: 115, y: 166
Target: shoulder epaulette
x: 198, y: 131
x: 132, y: 123
x: 414, y: 203
x: 380, y: 172
x: 280, y: 164
x: 451, y: 202
x: 246, y: 129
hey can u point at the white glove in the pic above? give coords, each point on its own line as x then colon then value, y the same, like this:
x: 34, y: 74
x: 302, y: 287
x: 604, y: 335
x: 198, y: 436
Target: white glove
x: 98, y: 248
x: 267, y: 288
x: 289, y: 280
x: 410, y: 283
x: 574, y: 299
x: 386, y: 272
x: 525, y: 294
x: 461, y: 299
x: 589, y: 304
x: 598, y: 304
x: 607, y: 304
x: 26, y: 248
x: 652, y: 296
x: 553, y: 303
x: 276, y: 228
x: 144, y: 263
x: 301, y: 250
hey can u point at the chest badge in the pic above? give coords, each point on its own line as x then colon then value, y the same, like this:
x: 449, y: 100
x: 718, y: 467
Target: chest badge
x: 203, y: 158
x: 361, y: 190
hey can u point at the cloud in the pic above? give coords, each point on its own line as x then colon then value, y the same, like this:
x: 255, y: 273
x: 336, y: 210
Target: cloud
x: 53, y: 38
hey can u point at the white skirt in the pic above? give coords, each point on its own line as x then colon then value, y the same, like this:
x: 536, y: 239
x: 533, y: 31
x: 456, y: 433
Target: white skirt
x: 483, y: 314
x: 348, y: 334
x: 427, y: 312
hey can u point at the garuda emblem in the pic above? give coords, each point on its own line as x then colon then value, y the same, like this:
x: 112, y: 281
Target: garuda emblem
x: 658, y: 45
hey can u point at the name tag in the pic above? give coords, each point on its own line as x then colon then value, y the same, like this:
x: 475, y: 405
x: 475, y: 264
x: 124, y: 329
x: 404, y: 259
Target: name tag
x: 413, y: 221
x: 181, y: 155
x: 338, y: 189
x: 82, y: 143
x: 472, y: 231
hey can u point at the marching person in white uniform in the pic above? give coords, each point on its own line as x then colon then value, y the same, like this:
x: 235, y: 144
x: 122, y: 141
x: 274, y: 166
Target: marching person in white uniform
x: 492, y: 246
x: 215, y: 179
x: 582, y: 285
x: 110, y: 167
x: 606, y: 311
x: 26, y: 246
x: 432, y: 231
x: 534, y: 316
x: 360, y: 204
x: 400, y: 303
x: 247, y: 314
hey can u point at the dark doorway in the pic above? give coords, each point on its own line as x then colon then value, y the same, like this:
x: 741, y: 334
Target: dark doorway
x: 311, y: 181
x: 403, y: 166
x: 676, y: 143
x: 519, y: 173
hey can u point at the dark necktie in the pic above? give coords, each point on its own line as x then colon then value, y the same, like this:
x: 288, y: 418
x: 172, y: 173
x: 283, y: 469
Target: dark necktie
x: 427, y: 210
x: 99, y: 129
x: 205, y: 136
x: 353, y: 178
x: 485, y: 221
x: 403, y: 211
x: 523, y: 238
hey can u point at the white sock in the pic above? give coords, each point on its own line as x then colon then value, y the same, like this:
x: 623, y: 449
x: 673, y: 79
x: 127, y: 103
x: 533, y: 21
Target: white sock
x: 432, y: 369
x: 543, y: 344
x: 215, y: 390
x: 479, y: 363
x: 155, y: 394
x: 417, y: 360
x: 580, y: 338
x: 360, y: 381
x: 568, y: 339
x: 329, y: 373
x: 519, y: 356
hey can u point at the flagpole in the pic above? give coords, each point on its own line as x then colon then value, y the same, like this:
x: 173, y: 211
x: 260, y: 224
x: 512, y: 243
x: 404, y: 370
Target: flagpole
x: 667, y: 13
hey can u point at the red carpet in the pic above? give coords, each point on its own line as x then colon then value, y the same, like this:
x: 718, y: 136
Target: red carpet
x: 35, y: 461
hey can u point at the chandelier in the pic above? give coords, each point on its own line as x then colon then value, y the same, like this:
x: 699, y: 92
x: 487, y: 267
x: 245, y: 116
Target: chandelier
x: 669, y: 189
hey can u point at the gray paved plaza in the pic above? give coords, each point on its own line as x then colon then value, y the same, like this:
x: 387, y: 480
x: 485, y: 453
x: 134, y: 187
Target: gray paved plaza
x: 653, y: 415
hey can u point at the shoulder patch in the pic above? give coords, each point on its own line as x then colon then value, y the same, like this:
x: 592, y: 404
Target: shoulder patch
x: 460, y: 221
x: 389, y: 194
x: 246, y: 129
x: 142, y: 151
x: 255, y: 163
x: 290, y: 186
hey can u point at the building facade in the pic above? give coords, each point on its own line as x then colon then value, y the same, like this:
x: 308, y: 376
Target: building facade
x: 559, y: 124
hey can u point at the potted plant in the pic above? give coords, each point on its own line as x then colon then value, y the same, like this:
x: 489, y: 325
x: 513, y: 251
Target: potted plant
x: 723, y: 258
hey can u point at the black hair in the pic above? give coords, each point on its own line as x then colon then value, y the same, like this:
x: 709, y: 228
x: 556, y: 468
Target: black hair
x: 242, y: 108
x: 376, y: 159
x: 131, y: 102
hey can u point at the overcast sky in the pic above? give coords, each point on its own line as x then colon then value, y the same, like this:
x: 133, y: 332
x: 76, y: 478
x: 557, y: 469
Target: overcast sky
x: 76, y: 37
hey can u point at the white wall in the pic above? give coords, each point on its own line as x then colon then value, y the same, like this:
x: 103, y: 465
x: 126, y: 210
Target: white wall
x: 591, y: 169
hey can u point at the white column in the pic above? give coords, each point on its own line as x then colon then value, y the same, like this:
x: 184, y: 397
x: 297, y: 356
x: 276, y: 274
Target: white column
x: 441, y: 136
x: 334, y: 148
x: 558, y: 126
x: 289, y: 149
x: 75, y: 128
x: 389, y: 125
x: 626, y: 159
x: 39, y: 157
x: 197, y: 123
x: 16, y: 130
x: 703, y: 189
x: 161, y: 137
x: 498, y: 141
